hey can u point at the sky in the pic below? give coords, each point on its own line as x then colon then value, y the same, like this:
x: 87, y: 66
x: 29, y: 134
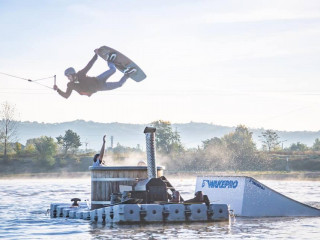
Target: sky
x: 225, y: 62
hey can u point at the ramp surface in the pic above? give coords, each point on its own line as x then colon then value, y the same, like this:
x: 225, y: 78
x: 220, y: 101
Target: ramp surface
x: 249, y: 198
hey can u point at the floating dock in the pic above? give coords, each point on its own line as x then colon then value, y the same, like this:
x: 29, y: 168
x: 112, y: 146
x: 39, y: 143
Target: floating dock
x: 143, y: 213
x: 139, y: 194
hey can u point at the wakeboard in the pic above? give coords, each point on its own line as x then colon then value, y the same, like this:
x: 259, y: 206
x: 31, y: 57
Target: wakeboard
x: 122, y: 62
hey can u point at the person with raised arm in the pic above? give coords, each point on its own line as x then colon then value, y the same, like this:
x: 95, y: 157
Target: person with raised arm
x: 98, y: 158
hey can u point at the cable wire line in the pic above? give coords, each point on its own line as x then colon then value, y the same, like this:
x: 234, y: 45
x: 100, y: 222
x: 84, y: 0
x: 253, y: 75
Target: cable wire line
x: 29, y: 80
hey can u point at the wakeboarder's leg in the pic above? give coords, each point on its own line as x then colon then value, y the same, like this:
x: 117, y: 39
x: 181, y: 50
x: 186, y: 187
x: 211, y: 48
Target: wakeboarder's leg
x: 104, y: 76
x: 113, y: 85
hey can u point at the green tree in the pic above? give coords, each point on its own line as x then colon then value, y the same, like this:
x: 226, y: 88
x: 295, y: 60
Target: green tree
x: 46, y: 149
x: 120, y: 152
x: 167, y: 141
x: 18, y: 148
x: 212, y: 142
x: 242, y: 147
x: 316, y: 145
x: 270, y: 139
x: 300, y: 147
x: 216, y: 155
x: 70, y: 141
x: 30, y: 149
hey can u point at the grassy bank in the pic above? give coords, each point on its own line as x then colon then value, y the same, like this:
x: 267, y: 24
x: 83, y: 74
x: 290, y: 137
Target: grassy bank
x: 302, y: 166
x: 263, y: 175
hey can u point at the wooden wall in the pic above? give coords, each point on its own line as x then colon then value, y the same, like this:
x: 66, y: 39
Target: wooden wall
x: 106, y: 180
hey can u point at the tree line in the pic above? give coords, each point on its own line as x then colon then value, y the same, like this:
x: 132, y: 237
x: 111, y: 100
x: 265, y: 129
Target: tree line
x: 233, y: 151
x: 44, y: 150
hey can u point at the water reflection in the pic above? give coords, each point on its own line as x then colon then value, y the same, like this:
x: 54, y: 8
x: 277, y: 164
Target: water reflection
x: 160, y: 231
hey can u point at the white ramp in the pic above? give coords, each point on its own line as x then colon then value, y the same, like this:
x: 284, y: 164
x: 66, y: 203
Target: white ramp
x: 249, y: 198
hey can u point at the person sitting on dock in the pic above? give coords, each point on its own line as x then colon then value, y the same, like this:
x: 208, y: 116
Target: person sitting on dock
x: 98, y: 158
x: 199, y: 198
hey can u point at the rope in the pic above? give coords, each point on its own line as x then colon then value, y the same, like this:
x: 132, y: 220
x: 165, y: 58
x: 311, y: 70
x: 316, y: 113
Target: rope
x: 42, y: 85
x: 15, y: 76
x: 29, y: 80
x: 40, y: 79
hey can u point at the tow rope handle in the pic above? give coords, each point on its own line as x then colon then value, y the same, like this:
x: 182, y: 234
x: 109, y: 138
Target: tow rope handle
x: 55, y: 81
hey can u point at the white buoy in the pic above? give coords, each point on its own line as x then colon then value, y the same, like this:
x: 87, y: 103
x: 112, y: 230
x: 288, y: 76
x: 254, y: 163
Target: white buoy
x: 198, y: 212
x: 108, y: 211
x: 219, y: 212
x: 151, y: 212
x: 93, y: 215
x: 174, y: 213
x: 72, y: 214
x: 125, y: 213
x: 86, y: 215
x: 101, y: 216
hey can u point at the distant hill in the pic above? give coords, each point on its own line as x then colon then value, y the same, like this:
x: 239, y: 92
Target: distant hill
x: 192, y: 134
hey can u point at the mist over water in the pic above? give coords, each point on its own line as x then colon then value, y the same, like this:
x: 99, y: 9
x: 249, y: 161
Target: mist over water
x: 133, y: 159
x: 24, y: 204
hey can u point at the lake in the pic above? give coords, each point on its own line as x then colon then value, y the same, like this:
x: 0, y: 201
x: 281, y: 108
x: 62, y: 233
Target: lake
x: 24, y: 204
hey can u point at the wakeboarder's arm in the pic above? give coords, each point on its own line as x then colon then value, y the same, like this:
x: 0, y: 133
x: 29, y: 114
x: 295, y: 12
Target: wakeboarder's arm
x: 62, y: 93
x: 102, y: 148
x: 89, y: 65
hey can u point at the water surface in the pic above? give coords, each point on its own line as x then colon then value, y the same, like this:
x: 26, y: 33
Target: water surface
x: 24, y: 204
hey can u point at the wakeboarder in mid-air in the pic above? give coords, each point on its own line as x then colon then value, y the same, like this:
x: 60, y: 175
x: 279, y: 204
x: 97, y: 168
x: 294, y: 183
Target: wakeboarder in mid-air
x: 85, y: 85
